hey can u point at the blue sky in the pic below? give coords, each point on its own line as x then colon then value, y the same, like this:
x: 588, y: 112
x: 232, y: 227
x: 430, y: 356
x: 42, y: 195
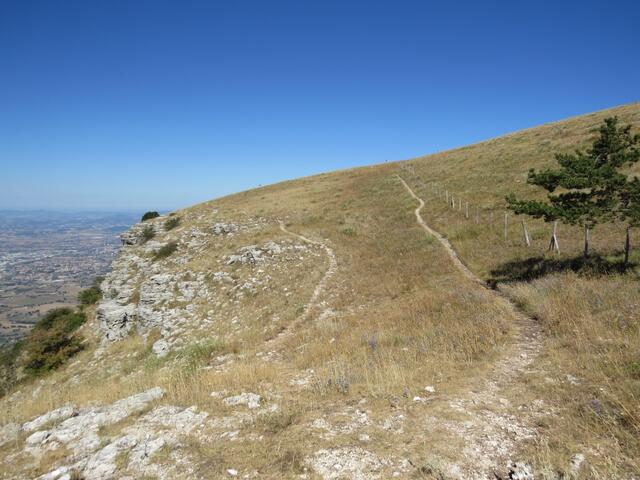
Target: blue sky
x: 136, y: 105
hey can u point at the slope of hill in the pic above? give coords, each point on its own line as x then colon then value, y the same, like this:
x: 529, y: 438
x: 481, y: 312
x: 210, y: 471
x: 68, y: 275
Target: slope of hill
x: 314, y: 329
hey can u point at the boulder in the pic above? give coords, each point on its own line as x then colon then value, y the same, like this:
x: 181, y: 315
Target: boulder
x: 115, y: 320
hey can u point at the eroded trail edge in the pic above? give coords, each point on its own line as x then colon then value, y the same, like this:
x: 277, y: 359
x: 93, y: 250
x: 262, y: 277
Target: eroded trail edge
x: 320, y: 286
x: 495, y: 426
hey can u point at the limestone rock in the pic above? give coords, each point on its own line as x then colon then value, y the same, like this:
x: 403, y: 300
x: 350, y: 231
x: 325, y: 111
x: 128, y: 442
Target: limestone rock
x: 9, y: 433
x: 115, y: 320
x: 160, y: 348
x: 521, y: 471
x: 57, y: 415
x: 224, y: 228
x: 348, y: 462
x: 251, y: 400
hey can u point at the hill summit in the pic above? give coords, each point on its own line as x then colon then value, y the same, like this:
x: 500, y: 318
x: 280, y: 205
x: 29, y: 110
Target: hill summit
x: 381, y: 322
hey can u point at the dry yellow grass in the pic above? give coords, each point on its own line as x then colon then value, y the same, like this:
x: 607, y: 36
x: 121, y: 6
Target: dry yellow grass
x: 394, y: 317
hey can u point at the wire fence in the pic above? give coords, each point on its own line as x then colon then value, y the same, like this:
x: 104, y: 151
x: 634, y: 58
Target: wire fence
x: 499, y: 219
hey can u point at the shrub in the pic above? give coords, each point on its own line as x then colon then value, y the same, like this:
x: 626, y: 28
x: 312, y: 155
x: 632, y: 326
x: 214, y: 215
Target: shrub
x: 66, y: 317
x: 171, y: 223
x: 148, y: 233
x: 52, y: 341
x: 9, y: 355
x: 149, y: 216
x: 50, y: 348
x: 166, y: 250
x: 91, y: 295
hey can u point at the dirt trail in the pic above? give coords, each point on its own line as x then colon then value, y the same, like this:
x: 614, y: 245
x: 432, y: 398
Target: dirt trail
x: 320, y: 287
x: 494, y: 426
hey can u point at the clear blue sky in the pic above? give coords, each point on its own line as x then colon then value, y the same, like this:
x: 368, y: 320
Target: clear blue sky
x: 135, y: 104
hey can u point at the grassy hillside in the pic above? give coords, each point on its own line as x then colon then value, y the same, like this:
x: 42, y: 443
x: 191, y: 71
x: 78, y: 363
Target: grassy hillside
x: 345, y: 351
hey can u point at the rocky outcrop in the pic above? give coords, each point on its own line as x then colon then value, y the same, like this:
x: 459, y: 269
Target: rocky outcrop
x: 134, y: 235
x: 116, y: 320
x: 99, y: 457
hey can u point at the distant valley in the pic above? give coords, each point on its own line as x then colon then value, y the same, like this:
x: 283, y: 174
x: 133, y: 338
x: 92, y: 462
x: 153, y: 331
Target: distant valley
x: 47, y: 257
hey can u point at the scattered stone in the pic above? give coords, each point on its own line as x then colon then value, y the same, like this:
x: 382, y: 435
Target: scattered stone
x: 576, y: 464
x: 430, y: 389
x: 232, y: 472
x: 354, y: 463
x: 9, y: 433
x: 573, y: 380
x: 160, y: 348
x: 224, y: 228
x: 251, y: 400
x: 520, y: 471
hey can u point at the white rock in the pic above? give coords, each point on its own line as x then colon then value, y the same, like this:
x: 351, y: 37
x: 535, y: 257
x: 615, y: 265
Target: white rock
x: 58, y: 474
x: 38, y: 437
x: 576, y: 464
x: 102, y: 465
x: 86, y: 423
x: 9, y: 433
x: 251, y: 400
x: 115, y: 320
x: 56, y: 415
x: 430, y: 389
x: 232, y: 472
x: 160, y: 348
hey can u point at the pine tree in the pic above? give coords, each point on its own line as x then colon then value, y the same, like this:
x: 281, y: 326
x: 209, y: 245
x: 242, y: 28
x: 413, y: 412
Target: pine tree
x: 592, y: 188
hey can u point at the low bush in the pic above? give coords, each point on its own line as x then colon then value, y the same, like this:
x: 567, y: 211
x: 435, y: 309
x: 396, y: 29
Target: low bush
x: 52, y: 340
x: 149, y: 216
x: 66, y: 317
x: 50, y: 348
x: 148, y: 233
x: 91, y: 295
x: 166, y: 250
x: 171, y: 223
x: 9, y: 355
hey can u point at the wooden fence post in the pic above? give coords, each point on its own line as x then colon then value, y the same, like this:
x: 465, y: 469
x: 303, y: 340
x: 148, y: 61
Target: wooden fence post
x: 553, y: 244
x: 466, y: 210
x: 627, y: 245
x: 527, y: 240
x: 506, y: 226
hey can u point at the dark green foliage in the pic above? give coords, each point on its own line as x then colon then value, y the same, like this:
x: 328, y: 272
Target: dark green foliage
x: 148, y: 233
x: 593, y: 190
x: 50, y: 348
x: 149, y: 216
x: 52, y: 341
x: 166, y: 250
x: 91, y: 295
x: 9, y: 355
x: 171, y: 223
x: 61, y: 316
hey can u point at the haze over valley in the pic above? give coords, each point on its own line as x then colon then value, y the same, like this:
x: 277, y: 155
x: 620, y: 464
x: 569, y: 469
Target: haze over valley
x: 47, y: 257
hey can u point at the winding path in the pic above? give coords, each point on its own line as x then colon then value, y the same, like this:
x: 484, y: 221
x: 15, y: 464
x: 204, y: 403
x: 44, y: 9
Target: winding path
x: 495, y: 430
x: 320, y: 287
